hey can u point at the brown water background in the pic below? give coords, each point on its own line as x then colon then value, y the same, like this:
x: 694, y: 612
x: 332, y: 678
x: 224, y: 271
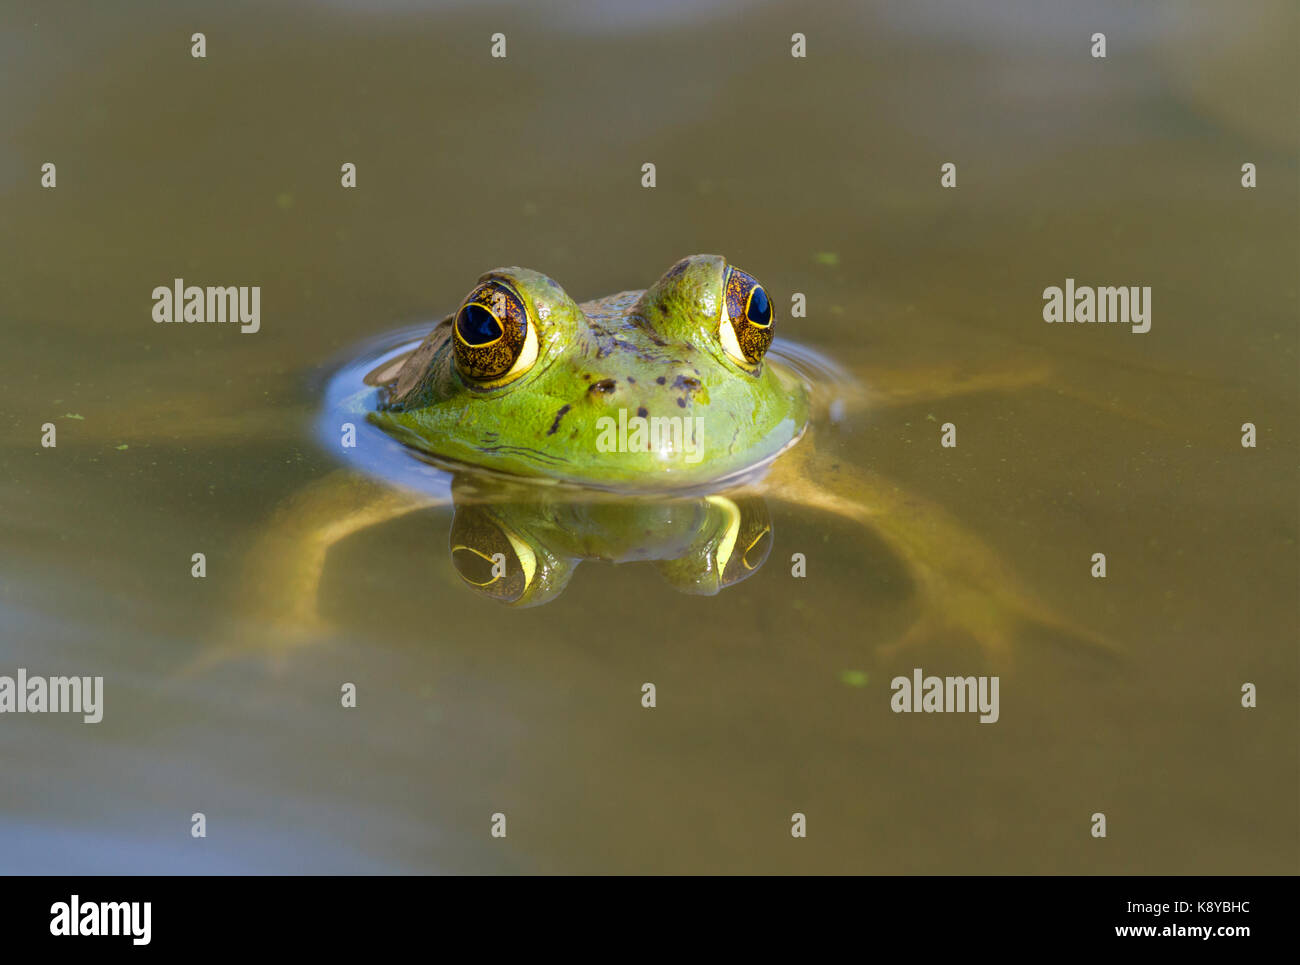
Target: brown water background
x: 819, y: 175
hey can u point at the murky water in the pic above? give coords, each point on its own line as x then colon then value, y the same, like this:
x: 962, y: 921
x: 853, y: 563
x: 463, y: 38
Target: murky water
x: 820, y: 175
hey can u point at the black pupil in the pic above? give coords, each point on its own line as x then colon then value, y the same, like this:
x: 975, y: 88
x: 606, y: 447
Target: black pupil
x: 477, y: 325
x: 760, y: 312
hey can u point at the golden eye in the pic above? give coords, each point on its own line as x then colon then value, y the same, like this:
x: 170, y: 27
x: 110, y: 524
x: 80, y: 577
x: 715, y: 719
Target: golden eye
x: 747, y: 322
x: 494, y: 340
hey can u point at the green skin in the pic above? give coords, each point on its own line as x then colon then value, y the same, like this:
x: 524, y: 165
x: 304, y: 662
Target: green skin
x: 654, y: 354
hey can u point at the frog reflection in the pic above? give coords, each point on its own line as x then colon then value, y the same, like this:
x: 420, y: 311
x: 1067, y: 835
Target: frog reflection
x: 520, y: 545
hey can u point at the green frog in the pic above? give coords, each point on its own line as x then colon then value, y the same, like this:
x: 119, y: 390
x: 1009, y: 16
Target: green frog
x: 546, y: 410
x: 646, y: 390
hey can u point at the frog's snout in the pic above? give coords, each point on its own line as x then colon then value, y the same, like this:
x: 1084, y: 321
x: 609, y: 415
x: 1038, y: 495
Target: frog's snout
x: 676, y: 388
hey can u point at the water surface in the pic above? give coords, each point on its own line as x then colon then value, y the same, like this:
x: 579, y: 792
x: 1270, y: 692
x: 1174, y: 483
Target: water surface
x: 819, y: 176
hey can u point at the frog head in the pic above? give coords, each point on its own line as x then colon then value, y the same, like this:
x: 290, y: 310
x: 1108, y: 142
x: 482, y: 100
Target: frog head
x: 660, y: 388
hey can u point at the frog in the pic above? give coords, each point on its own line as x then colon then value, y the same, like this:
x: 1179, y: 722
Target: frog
x: 524, y: 381
x: 514, y: 395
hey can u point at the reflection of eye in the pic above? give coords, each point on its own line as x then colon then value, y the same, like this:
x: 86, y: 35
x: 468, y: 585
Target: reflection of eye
x: 475, y: 566
x: 748, y: 541
x: 756, y: 552
x: 489, y: 557
x: 494, y: 341
x: 747, y: 319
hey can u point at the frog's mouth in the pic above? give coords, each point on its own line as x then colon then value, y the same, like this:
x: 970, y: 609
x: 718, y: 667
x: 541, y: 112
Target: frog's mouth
x: 747, y: 474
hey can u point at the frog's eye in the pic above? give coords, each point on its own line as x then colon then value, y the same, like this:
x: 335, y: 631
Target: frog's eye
x: 493, y: 340
x: 747, y: 322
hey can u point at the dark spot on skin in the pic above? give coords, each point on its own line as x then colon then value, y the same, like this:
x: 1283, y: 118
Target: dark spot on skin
x: 631, y: 348
x: 558, y: 416
x: 656, y: 339
x: 687, y: 383
x: 681, y: 401
x: 604, y: 385
x: 661, y: 380
x: 642, y: 411
x: 631, y: 381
